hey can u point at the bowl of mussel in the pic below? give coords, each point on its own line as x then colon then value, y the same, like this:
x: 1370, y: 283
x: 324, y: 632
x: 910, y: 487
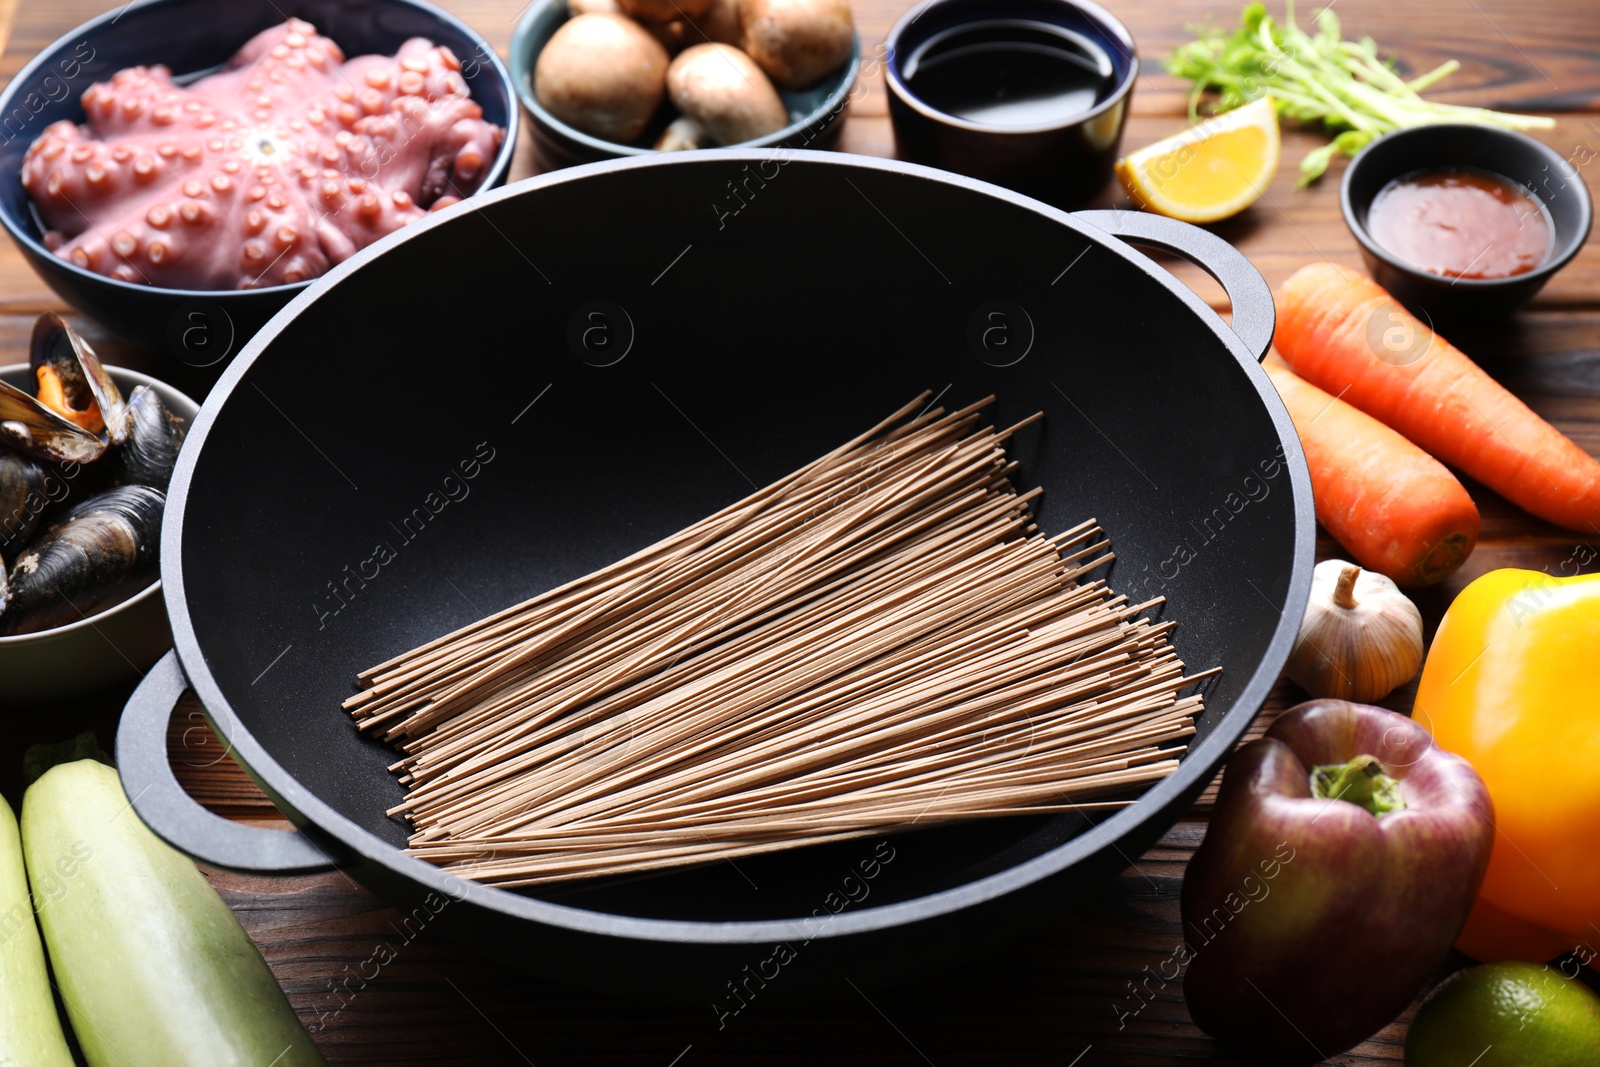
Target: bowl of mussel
x: 86, y: 452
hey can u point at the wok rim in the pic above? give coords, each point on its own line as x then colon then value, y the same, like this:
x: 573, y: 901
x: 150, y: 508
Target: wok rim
x: 303, y: 807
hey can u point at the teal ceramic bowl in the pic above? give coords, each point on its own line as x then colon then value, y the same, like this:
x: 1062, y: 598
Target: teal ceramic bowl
x: 816, y: 115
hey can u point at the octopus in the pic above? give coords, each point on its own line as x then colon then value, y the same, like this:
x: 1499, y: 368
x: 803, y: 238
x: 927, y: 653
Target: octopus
x: 284, y: 163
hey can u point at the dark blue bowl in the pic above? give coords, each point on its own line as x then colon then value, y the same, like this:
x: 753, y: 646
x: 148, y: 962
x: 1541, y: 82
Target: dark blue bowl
x: 192, y: 37
x: 816, y: 114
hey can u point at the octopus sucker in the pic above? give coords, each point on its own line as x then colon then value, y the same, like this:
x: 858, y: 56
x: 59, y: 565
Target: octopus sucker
x: 304, y: 133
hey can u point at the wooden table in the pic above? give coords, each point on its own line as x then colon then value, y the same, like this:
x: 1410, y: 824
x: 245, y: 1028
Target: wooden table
x: 1066, y: 993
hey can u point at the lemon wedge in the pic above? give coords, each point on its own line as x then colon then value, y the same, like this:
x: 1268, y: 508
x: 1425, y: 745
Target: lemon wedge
x: 1211, y: 170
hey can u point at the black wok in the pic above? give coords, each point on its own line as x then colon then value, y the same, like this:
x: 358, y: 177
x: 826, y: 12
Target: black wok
x: 618, y: 349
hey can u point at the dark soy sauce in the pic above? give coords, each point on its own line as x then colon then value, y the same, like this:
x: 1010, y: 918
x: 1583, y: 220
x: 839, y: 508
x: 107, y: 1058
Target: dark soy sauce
x: 1011, y: 73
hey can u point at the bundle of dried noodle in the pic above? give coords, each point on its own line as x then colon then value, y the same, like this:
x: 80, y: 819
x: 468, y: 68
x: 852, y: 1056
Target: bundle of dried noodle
x: 881, y: 640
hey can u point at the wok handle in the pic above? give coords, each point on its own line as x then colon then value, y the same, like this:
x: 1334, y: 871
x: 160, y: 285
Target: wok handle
x: 1254, y: 316
x: 174, y: 815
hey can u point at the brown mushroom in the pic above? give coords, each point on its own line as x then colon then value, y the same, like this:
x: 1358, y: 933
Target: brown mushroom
x: 602, y: 74
x: 683, y: 134
x: 719, y: 24
x: 798, y: 42
x: 674, y: 36
x: 664, y: 10
x: 719, y: 87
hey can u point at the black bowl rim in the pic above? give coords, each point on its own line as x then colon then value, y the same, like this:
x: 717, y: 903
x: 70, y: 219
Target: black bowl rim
x: 19, y: 231
x: 1461, y: 129
x: 903, y: 93
x: 523, y: 59
x: 306, y: 808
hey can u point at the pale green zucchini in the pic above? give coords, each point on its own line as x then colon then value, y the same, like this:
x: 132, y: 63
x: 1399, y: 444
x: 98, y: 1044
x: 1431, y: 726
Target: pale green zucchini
x: 153, y: 968
x: 30, y: 1032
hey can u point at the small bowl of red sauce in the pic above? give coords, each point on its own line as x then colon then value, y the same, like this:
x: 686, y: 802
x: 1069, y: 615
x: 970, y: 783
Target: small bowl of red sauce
x: 1464, y: 221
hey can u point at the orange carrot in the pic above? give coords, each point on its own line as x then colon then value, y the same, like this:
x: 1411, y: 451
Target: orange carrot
x: 1395, y: 508
x: 1339, y: 330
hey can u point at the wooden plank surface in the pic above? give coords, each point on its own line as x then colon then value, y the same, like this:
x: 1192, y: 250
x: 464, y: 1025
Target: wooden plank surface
x: 1065, y: 994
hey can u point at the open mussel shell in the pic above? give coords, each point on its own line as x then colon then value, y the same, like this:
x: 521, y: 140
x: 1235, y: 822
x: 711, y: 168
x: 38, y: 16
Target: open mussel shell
x: 88, y: 395
x: 29, y: 427
x: 92, y: 552
x: 22, y: 501
x: 147, y: 455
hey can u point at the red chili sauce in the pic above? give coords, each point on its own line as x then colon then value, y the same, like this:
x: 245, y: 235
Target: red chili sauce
x: 1462, y: 223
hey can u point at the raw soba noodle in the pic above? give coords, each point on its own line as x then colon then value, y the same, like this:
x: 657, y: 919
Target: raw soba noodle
x: 879, y: 641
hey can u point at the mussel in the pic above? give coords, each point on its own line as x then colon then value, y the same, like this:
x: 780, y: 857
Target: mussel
x: 22, y: 501
x: 27, y: 426
x: 78, y: 412
x: 94, y: 551
x: 73, y: 382
x: 155, y: 434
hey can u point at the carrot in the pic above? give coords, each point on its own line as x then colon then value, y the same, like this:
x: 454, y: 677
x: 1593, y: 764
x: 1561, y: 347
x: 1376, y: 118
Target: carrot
x: 1395, y: 508
x: 1339, y: 330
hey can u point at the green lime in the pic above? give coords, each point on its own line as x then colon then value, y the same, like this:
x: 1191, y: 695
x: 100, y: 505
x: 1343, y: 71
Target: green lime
x: 1507, y: 1015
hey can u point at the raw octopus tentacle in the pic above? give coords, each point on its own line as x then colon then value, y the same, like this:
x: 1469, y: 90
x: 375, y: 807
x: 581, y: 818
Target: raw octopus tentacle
x: 286, y: 162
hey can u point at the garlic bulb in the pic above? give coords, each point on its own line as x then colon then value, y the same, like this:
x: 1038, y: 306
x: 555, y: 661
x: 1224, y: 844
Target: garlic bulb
x: 1361, y: 638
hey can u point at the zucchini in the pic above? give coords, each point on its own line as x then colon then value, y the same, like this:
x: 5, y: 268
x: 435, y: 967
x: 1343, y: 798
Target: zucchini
x: 30, y: 1031
x: 153, y: 968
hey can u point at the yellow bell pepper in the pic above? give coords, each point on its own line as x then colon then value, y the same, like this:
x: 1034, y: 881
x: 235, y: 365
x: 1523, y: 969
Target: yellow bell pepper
x: 1512, y: 683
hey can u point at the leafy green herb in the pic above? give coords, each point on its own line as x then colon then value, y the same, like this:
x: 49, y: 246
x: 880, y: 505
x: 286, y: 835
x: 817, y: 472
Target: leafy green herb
x: 1320, y: 77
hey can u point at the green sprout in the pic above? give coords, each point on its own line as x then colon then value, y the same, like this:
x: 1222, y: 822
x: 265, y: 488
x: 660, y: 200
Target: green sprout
x: 1320, y: 78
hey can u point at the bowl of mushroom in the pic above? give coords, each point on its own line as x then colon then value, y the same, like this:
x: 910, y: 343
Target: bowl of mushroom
x: 608, y: 78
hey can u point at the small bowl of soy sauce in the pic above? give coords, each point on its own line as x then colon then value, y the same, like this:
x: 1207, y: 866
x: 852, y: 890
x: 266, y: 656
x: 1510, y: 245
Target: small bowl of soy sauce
x: 1029, y: 94
x: 1464, y: 222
